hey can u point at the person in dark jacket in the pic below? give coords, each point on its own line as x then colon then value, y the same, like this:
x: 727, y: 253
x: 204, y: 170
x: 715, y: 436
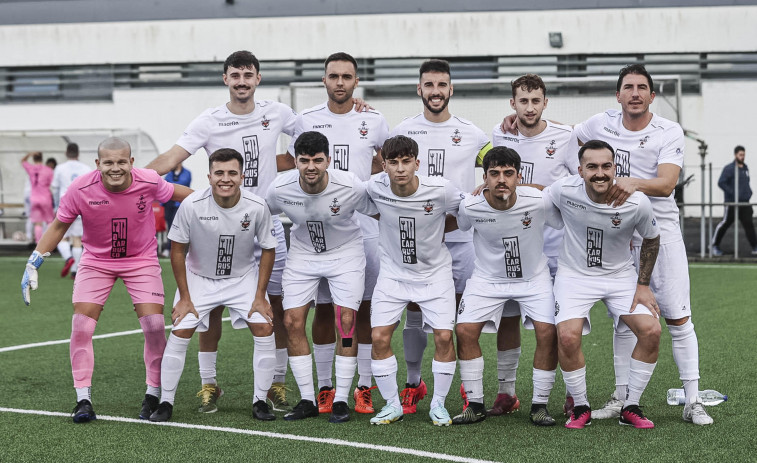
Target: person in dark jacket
x: 727, y: 183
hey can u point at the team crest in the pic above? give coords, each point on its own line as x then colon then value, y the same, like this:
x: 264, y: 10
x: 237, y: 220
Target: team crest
x: 245, y: 221
x: 643, y: 141
x: 551, y: 148
x: 457, y: 137
x: 363, y: 129
x: 526, y: 220
x: 335, y: 207
x: 265, y: 122
x: 141, y: 204
x: 616, y: 220
x: 428, y: 207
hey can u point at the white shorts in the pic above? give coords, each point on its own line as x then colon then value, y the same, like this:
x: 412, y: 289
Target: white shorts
x: 372, y: 265
x: 76, y: 229
x: 345, y: 276
x: 436, y: 300
x: 463, y: 263
x: 274, y: 283
x: 208, y: 293
x: 575, y: 296
x: 670, y: 280
x: 483, y: 301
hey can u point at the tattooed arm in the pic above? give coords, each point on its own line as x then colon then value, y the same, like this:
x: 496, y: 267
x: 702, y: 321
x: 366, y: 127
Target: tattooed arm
x: 647, y: 259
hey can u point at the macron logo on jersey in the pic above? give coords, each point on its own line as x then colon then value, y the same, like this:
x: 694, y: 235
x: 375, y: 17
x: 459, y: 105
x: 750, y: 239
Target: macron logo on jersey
x: 227, y: 124
x: 104, y: 202
x: 323, y: 126
x: 611, y: 131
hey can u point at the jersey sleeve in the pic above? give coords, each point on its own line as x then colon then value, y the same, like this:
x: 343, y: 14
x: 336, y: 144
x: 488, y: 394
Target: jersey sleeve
x: 264, y: 230
x: 298, y: 129
x: 179, y: 231
x: 453, y: 198
x: 585, y: 130
x: 552, y: 216
x: 196, y: 135
x: 164, y: 190
x: 289, y: 120
x: 646, y: 223
x: 553, y: 192
x: 270, y: 200
x: 382, y: 135
x: 463, y: 222
x: 363, y: 203
x: 68, y: 209
x: 571, y: 159
x: 672, y: 149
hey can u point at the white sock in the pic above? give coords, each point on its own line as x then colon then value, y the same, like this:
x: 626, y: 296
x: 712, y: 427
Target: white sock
x: 638, y: 378
x: 385, y: 374
x: 302, y: 369
x: 686, y: 356
x: 83, y: 393
x: 472, y: 375
x: 76, y: 254
x: 364, y: 365
x: 280, y: 372
x: 153, y: 391
x: 64, y: 248
x: 414, y: 341
x: 622, y: 348
x: 207, y: 362
x: 345, y: 373
x: 443, y: 374
x: 323, y: 354
x: 507, y: 368
x: 263, y: 362
x: 172, y: 366
x: 575, y: 381
x: 543, y: 382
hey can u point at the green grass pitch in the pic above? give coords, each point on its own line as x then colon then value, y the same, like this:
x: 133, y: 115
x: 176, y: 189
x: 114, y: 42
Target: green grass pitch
x: 39, y: 378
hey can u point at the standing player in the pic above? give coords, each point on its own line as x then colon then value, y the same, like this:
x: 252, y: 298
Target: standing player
x: 448, y: 147
x: 252, y: 128
x: 41, y: 199
x: 415, y: 267
x: 326, y: 242
x: 595, y: 257
x: 355, y: 139
x: 212, y: 256
x: 649, y: 156
x: 547, y: 152
x: 119, y: 242
x: 63, y: 175
x: 508, y: 228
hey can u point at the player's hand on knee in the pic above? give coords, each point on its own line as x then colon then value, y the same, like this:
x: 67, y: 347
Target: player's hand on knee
x: 644, y: 296
x: 30, y: 279
x: 182, y: 309
x: 263, y: 307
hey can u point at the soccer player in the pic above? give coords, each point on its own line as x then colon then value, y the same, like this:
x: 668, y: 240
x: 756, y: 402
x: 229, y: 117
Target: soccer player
x: 547, y: 151
x: 212, y: 256
x: 596, y: 258
x: 508, y: 224
x: 70, y: 247
x: 448, y: 147
x: 326, y: 242
x: 41, y: 199
x: 119, y: 242
x: 649, y: 157
x: 251, y: 127
x: 415, y: 267
x: 355, y: 139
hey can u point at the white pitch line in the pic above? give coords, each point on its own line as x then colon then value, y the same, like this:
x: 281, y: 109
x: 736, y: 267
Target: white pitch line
x: 273, y: 435
x: 732, y: 266
x: 66, y: 341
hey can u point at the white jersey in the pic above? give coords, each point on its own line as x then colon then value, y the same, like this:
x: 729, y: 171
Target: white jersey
x: 220, y: 239
x: 354, y: 138
x: 324, y: 225
x: 411, y: 229
x: 64, y: 175
x: 509, y: 243
x: 446, y: 149
x: 254, y: 135
x: 638, y: 154
x: 597, y: 236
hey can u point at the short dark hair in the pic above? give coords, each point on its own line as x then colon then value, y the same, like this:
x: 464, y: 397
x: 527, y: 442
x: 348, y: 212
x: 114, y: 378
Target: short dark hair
x: 37, y: 156
x: 434, y: 65
x: 738, y: 148
x: 595, y: 145
x: 311, y: 143
x: 72, y: 151
x: 340, y: 56
x: 529, y: 83
x: 399, y: 146
x: 51, y: 161
x: 225, y: 155
x: 634, y: 69
x: 242, y: 59
x: 501, y: 156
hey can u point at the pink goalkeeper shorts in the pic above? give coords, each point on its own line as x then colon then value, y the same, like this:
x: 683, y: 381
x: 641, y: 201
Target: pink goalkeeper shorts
x: 143, y: 282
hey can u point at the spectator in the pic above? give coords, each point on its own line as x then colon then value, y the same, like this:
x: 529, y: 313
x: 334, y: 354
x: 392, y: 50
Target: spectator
x: 181, y: 176
x: 727, y: 183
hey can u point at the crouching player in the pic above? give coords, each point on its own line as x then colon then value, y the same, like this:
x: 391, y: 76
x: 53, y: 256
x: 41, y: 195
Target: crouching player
x: 218, y: 226
x: 508, y: 226
x: 119, y: 242
x: 596, y: 259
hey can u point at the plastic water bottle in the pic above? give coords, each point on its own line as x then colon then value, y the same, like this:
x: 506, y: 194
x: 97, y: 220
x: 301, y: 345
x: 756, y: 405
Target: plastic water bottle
x: 709, y: 397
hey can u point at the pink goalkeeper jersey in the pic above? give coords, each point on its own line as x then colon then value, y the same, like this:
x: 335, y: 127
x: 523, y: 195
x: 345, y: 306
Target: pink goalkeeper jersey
x: 40, y: 177
x: 119, y: 228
